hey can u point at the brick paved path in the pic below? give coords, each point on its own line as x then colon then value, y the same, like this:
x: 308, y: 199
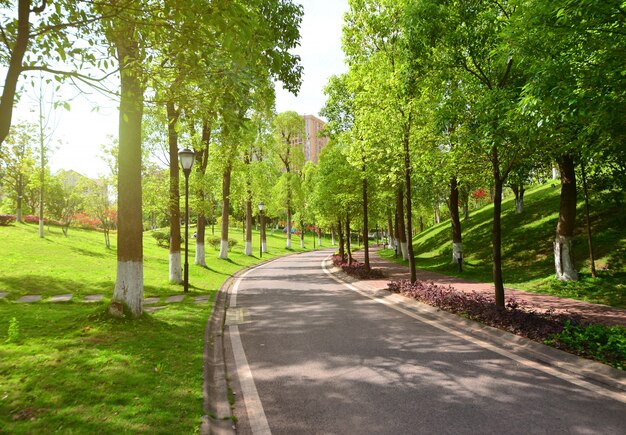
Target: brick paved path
x: 593, y: 312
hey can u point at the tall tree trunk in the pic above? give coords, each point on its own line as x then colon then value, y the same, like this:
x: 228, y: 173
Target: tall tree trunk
x: 464, y: 197
x: 129, y: 280
x: 342, y: 250
x: 348, y: 238
x: 225, y: 212
x: 174, y: 204
x: 390, y: 235
x: 20, y: 192
x: 401, y: 237
x: 15, y: 68
x: 518, y: 191
x: 409, y: 201
x: 457, y: 241
x: 332, y: 235
x: 421, y: 220
x: 248, y: 248
x: 497, y: 230
x: 200, y: 259
x: 366, y: 250
x: 288, y: 245
x: 263, y: 233
x: 592, y: 260
x: 563, y: 245
x: 302, y: 234
x: 202, y: 158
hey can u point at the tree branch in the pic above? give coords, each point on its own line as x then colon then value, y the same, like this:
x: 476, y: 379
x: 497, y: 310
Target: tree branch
x: 6, y: 40
x: 505, y: 77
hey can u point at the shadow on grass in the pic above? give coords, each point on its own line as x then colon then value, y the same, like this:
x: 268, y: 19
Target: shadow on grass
x: 47, y: 286
x: 95, y: 373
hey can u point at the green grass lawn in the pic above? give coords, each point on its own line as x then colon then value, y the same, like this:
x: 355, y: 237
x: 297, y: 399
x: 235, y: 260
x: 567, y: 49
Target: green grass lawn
x: 528, y: 261
x: 69, y: 367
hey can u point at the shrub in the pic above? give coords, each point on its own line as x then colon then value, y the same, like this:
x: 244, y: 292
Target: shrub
x: 357, y: 269
x: 31, y: 219
x: 13, y: 334
x: 600, y: 342
x: 162, y: 238
x: 6, y: 219
x: 215, y: 242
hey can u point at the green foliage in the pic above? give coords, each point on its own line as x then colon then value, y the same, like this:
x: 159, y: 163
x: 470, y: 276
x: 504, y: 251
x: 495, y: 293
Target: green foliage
x: 13, y: 334
x: 162, y: 238
x: 528, y: 258
x: 215, y: 241
x: 603, y: 343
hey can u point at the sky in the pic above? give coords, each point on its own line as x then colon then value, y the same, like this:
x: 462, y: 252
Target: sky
x: 80, y: 132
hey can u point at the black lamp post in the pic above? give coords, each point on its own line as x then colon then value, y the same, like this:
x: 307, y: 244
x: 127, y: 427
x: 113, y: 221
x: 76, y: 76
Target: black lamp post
x: 261, y: 207
x: 186, y: 158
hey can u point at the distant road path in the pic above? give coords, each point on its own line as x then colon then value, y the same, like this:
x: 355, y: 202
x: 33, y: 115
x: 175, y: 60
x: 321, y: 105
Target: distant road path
x: 310, y: 355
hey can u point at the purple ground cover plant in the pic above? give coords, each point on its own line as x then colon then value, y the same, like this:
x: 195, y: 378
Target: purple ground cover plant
x: 516, y: 317
x: 357, y: 269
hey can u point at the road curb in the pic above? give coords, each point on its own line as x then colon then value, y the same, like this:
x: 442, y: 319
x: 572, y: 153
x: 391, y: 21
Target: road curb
x: 218, y: 416
x: 577, y: 366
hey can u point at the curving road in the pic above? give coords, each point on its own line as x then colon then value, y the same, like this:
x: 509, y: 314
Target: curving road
x: 308, y: 354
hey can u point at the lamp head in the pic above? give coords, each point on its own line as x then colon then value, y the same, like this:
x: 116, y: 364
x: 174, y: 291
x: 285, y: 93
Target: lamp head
x: 186, y: 158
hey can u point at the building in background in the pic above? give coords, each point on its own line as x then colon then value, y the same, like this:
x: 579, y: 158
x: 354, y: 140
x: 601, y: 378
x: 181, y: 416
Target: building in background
x: 313, y: 143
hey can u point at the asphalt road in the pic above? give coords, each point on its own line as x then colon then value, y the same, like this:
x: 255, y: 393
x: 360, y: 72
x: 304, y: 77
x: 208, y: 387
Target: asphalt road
x: 308, y: 355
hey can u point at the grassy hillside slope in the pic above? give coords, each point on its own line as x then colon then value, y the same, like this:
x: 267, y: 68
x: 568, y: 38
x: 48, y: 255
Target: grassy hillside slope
x: 69, y: 367
x: 528, y: 261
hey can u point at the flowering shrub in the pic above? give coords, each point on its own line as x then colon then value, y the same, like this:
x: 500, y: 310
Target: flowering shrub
x: 31, y: 219
x: 6, y: 219
x: 479, y: 193
x: 83, y: 220
x: 356, y: 269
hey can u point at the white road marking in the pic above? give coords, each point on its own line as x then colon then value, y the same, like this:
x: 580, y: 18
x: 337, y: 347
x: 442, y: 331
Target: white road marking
x: 546, y: 369
x: 254, y: 407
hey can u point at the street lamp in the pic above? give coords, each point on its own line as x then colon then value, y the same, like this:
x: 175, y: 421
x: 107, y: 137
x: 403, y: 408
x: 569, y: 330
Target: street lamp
x: 186, y: 158
x: 261, y: 207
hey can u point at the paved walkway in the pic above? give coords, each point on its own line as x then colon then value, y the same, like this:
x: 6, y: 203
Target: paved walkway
x: 594, y: 313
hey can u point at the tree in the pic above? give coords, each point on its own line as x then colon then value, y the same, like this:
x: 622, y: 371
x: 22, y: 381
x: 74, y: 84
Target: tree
x: 67, y: 192
x: 98, y: 203
x: 289, y: 132
x: 17, y: 162
x: 37, y: 37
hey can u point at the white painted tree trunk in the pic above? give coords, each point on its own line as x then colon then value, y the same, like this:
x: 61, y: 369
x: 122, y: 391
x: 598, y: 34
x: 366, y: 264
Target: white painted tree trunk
x: 564, y: 259
x: 288, y: 245
x: 457, y: 252
x: 332, y: 238
x: 248, y: 249
x: 392, y: 243
x: 319, y: 239
x: 302, y: 243
x: 404, y: 248
x: 200, y: 254
x: 555, y: 173
x: 128, y: 288
x: 41, y: 228
x: 264, y: 247
x: 519, y: 206
x: 176, y: 271
x: 223, y: 249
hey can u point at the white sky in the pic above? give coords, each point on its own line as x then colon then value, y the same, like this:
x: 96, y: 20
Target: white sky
x: 82, y: 131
